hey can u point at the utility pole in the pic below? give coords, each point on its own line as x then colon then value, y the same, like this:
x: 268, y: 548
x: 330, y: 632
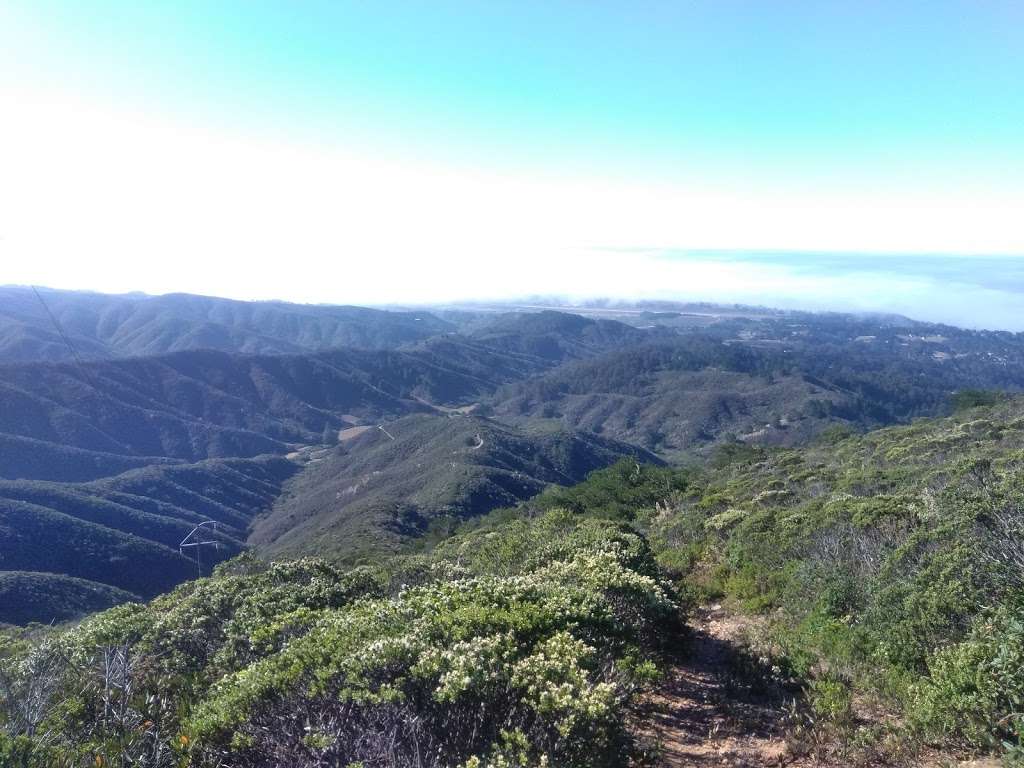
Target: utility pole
x: 200, y: 537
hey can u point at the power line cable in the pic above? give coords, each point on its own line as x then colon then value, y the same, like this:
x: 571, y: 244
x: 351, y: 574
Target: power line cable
x: 56, y: 324
x: 82, y: 367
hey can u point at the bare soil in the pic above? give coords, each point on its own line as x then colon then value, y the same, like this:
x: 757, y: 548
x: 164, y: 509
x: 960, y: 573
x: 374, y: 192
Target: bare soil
x: 710, y: 711
x: 351, y: 433
x: 700, y: 717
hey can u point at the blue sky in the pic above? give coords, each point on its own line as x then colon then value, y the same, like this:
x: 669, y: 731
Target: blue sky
x: 797, y: 88
x: 411, y: 149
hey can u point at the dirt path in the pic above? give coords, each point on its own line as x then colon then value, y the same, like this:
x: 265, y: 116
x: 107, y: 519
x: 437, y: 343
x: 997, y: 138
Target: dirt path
x: 705, y: 716
x: 351, y: 433
x: 460, y: 410
x: 714, y: 709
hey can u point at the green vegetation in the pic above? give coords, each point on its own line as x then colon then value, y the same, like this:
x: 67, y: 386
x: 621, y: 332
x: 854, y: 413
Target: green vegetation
x: 519, y: 645
x: 684, y: 396
x: 115, y: 459
x: 202, y: 404
x: 121, y: 326
x: 888, y: 569
x: 473, y: 607
x: 120, y: 535
x: 972, y: 398
x: 370, y: 496
x: 27, y: 597
x: 556, y: 336
x: 110, y: 462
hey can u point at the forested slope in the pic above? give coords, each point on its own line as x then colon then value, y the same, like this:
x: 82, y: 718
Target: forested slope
x: 205, y: 404
x: 106, y: 458
x: 680, y: 397
x: 122, y: 533
x: 134, y: 325
x: 383, y: 488
x: 110, y: 464
x: 198, y: 405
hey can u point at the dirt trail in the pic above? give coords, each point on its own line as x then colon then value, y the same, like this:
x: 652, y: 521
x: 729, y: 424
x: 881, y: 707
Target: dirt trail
x: 715, y: 710
x: 702, y: 717
x: 351, y: 433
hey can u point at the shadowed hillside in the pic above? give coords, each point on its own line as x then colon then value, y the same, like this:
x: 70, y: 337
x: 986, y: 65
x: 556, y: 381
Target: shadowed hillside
x: 383, y: 487
x: 102, y: 326
x: 858, y: 601
x: 100, y: 459
x: 556, y: 336
x: 29, y: 596
x: 122, y: 533
x: 195, y: 405
x: 202, y: 404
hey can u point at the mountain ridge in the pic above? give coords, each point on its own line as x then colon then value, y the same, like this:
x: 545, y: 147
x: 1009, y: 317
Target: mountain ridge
x: 358, y: 453
x: 131, y: 325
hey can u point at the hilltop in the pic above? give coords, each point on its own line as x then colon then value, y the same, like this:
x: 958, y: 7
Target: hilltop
x: 771, y: 382
x: 134, y: 325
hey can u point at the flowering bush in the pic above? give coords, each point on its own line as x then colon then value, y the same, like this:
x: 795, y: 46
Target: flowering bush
x: 480, y: 666
x: 518, y: 646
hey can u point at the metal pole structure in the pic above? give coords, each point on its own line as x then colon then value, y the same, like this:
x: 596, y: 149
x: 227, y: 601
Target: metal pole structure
x: 200, y: 542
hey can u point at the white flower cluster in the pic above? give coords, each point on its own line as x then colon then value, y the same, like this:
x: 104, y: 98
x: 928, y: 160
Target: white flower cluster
x: 557, y: 685
x: 498, y: 646
x: 467, y: 665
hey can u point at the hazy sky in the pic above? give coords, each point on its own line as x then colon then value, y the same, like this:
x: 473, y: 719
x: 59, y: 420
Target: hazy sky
x: 416, y: 151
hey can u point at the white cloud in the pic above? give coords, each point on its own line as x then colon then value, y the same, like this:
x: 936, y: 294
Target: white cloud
x: 95, y: 197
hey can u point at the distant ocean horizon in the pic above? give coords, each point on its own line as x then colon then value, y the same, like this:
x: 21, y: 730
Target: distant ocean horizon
x: 967, y: 291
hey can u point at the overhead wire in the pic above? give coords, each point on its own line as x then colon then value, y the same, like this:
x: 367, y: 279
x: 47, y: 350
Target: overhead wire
x: 67, y: 341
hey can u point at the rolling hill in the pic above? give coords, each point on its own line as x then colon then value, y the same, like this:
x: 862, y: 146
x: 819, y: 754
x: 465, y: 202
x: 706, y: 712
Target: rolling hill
x: 556, y: 336
x: 120, y: 535
x: 867, y: 608
x: 196, y: 405
x: 203, y: 404
x: 383, y: 487
x: 108, y: 465
x: 51, y: 597
x: 104, y: 326
x: 356, y: 453
x: 775, y: 383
